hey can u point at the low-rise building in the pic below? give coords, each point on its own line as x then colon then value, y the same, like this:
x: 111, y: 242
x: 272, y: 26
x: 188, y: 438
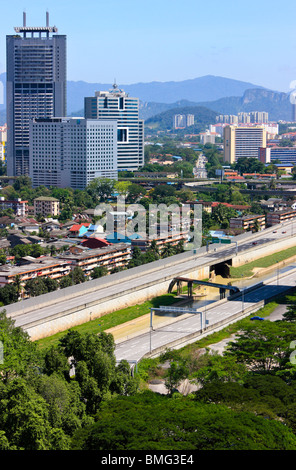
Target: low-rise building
x: 42, y: 267
x: 248, y: 222
x: 113, y: 256
x: 278, y: 217
x: 19, y: 207
x: 46, y: 206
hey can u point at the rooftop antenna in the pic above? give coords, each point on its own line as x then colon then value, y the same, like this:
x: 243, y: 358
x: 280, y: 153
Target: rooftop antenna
x: 24, y: 19
x: 47, y: 19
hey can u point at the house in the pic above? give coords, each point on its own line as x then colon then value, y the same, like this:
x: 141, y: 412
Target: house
x: 94, y: 230
x: 78, y: 230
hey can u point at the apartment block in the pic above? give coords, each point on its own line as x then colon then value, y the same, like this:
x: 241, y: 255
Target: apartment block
x: 34, y: 268
x: 46, y: 206
x: 112, y: 256
x: 248, y: 222
x: 278, y: 217
x: 19, y: 207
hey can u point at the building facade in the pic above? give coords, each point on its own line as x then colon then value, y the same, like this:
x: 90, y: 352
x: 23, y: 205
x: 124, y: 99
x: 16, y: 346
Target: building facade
x: 71, y: 152
x: 46, y: 206
x: 3, y: 139
x: 242, y: 142
x: 36, y: 86
x: 116, y: 105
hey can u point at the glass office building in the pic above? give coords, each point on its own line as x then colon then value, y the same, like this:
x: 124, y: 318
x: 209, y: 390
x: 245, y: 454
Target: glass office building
x: 117, y: 105
x: 36, y: 86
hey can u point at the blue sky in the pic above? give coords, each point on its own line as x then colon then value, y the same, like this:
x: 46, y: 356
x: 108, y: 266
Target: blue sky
x: 167, y: 40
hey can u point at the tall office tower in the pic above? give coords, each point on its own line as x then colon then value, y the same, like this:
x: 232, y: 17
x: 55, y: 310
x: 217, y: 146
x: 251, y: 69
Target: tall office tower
x: 71, y: 152
x: 243, y: 142
x: 36, y: 86
x: 117, y: 105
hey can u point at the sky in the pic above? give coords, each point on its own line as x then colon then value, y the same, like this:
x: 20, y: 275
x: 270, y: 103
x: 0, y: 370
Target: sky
x: 132, y: 41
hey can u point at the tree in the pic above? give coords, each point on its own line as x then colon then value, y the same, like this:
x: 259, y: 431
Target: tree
x: 100, y: 188
x: 35, y: 287
x: 78, y: 275
x: 263, y: 346
x: 99, y: 271
x: 175, y: 374
x: 155, y: 422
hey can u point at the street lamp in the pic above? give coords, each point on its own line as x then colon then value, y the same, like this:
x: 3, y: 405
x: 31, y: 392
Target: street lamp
x: 243, y: 299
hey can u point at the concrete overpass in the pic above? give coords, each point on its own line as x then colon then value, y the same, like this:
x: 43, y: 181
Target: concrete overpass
x: 57, y: 311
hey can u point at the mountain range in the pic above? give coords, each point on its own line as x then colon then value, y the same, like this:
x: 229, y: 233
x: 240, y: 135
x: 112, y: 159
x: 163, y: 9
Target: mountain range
x: 218, y: 94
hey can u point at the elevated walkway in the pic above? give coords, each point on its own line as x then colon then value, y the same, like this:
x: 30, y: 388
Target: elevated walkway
x: 222, y: 287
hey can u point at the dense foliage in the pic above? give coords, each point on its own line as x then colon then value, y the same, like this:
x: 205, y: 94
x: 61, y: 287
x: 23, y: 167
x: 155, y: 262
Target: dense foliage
x: 75, y: 396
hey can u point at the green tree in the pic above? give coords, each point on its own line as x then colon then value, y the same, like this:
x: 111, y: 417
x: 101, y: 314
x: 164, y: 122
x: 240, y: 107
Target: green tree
x: 99, y: 271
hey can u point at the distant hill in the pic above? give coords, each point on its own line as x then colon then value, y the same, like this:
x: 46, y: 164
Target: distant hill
x: 219, y: 94
x: 207, y: 88
x: 164, y: 121
x: 276, y: 104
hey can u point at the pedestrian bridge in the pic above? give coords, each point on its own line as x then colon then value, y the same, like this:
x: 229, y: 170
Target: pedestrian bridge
x: 222, y: 287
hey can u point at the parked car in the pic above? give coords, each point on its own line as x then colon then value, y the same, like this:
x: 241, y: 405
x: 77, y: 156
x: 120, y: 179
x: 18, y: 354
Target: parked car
x: 257, y: 318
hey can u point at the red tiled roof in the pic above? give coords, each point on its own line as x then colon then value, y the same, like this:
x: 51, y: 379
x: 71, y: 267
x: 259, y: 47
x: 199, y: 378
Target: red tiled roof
x: 77, y: 227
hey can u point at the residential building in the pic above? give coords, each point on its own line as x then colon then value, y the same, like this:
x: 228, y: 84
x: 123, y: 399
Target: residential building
x: 278, y: 217
x: 162, y: 241
x: 36, y: 86
x: 116, y: 105
x: 42, y: 267
x: 71, y: 152
x: 110, y: 256
x: 19, y: 207
x: 242, y: 142
x: 248, y: 222
x: 46, y: 206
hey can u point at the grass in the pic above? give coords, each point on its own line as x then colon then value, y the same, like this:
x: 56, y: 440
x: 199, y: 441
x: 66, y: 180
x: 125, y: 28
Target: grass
x: 113, y: 319
x: 247, y: 269
x: 130, y: 313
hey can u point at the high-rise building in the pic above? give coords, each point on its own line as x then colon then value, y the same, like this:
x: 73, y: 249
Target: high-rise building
x: 117, y: 105
x: 36, y: 86
x: 71, y: 152
x: 243, y: 142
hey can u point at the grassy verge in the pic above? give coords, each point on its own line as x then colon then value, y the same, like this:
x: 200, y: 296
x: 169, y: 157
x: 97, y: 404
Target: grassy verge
x: 247, y: 269
x: 113, y: 319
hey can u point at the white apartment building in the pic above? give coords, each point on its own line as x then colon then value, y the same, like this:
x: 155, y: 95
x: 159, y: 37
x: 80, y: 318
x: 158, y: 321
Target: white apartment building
x: 71, y: 152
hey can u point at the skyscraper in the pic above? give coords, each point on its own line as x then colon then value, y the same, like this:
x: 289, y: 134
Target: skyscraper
x: 36, y: 86
x: 119, y: 106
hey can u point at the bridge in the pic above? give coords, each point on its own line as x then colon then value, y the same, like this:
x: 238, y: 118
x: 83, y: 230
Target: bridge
x: 179, y: 280
x: 60, y: 310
